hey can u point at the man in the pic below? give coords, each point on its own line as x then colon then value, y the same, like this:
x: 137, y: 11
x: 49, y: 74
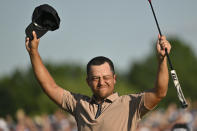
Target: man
x: 105, y: 110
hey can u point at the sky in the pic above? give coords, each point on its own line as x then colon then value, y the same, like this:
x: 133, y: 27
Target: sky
x: 123, y: 30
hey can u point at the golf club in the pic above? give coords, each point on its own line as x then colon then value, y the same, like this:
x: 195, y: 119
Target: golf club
x: 173, y: 72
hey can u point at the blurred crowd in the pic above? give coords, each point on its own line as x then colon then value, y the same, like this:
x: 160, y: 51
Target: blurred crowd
x: 170, y: 119
x: 59, y: 121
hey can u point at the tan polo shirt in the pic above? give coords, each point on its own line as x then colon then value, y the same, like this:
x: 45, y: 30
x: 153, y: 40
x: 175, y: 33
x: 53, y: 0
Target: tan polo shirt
x: 118, y: 113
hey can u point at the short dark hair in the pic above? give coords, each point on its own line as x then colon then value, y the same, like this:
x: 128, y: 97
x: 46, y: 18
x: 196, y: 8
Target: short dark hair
x: 179, y: 126
x: 99, y: 60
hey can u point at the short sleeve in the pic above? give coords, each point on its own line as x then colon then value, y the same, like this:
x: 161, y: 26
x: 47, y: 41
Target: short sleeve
x: 137, y: 104
x: 69, y: 101
x: 142, y: 109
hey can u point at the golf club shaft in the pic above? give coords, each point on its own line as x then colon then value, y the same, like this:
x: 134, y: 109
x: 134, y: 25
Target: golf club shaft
x: 169, y: 61
x: 155, y: 17
x: 173, y: 72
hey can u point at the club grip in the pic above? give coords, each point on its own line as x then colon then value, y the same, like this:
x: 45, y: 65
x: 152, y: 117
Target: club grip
x: 178, y: 88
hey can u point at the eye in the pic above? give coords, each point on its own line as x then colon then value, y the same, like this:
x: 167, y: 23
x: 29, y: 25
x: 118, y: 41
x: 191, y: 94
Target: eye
x: 107, y: 77
x: 95, y: 78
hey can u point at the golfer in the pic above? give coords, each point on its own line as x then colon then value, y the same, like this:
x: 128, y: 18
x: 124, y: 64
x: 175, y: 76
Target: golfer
x: 105, y: 110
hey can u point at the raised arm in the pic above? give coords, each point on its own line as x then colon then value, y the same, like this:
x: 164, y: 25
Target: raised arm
x: 155, y: 95
x: 43, y: 76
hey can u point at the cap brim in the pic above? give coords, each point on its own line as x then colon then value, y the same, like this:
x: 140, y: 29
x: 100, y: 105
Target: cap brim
x: 39, y: 31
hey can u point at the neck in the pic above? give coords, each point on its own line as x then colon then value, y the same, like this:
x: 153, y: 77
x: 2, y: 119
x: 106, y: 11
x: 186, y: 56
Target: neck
x: 98, y: 99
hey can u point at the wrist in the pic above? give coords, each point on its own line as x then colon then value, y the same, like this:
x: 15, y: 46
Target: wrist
x: 162, y: 59
x: 33, y: 52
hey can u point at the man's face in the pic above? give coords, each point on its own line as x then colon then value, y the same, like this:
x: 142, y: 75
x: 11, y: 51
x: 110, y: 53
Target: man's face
x: 101, y: 80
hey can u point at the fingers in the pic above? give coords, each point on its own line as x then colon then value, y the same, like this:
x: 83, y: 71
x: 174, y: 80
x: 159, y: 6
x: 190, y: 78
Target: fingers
x: 33, y: 44
x: 161, y: 37
x: 163, y: 44
x: 34, y: 35
x: 168, y: 47
x: 27, y: 44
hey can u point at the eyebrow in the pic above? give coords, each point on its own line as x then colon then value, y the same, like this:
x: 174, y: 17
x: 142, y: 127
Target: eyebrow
x: 102, y: 76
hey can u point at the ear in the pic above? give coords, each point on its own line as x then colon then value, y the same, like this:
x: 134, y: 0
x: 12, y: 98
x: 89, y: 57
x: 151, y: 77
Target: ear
x: 115, y: 78
x: 87, y: 81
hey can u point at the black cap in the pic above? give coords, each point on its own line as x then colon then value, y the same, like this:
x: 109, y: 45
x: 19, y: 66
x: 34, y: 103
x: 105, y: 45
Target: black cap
x: 44, y: 18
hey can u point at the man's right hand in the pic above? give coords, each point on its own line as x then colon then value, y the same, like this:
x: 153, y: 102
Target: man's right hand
x: 32, y: 46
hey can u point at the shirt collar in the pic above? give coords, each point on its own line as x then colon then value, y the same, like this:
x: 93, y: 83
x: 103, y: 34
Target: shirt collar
x: 109, y: 99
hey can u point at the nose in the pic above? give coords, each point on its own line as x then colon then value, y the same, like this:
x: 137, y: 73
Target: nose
x: 101, y: 81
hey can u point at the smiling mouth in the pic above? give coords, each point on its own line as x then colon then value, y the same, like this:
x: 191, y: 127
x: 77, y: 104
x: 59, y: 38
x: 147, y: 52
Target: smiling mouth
x: 102, y: 87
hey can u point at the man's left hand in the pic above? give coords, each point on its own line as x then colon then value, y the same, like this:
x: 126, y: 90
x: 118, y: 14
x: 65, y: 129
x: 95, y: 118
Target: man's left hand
x: 162, y: 43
